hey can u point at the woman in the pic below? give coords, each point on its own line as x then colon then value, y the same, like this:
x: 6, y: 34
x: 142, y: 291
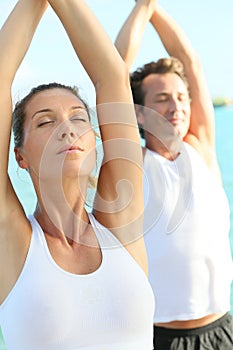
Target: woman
x: 70, y: 279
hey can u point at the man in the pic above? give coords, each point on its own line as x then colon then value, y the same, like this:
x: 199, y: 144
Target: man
x: 186, y: 211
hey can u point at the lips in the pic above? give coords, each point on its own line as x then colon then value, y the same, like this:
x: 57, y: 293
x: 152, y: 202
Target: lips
x: 70, y: 148
x: 175, y: 120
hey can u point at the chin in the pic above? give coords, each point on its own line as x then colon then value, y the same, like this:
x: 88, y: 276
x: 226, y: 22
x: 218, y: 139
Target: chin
x: 75, y: 171
x: 181, y: 132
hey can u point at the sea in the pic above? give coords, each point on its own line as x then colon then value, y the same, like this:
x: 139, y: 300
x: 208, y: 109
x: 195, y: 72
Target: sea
x: 224, y: 147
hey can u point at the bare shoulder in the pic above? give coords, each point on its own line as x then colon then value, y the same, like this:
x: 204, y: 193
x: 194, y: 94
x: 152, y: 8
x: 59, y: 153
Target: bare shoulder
x: 207, y: 153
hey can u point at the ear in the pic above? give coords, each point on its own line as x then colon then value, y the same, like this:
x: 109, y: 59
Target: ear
x: 139, y: 115
x: 20, y: 159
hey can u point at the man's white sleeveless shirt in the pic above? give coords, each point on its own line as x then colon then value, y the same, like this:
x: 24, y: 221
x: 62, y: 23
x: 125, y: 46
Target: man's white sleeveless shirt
x: 186, y: 229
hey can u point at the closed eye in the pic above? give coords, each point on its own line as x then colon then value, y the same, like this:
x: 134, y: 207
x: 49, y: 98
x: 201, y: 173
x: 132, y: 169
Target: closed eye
x: 161, y: 100
x: 80, y: 118
x: 43, y: 123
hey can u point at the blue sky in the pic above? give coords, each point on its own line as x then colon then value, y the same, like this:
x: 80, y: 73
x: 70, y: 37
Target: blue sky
x: 208, y: 23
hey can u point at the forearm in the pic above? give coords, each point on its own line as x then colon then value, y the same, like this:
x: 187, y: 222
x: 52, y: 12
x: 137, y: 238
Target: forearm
x: 16, y: 35
x: 92, y: 45
x: 178, y: 45
x: 130, y: 36
x: 172, y: 36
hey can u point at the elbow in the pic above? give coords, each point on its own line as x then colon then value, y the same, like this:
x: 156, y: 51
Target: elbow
x: 115, y: 81
x: 123, y: 73
x: 192, y: 59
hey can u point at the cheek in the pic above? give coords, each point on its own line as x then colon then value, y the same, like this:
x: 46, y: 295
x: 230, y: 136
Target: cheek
x: 89, y: 161
x: 187, y: 120
x: 187, y: 110
x: 36, y: 152
x: 185, y: 128
x: 91, y: 146
x: 89, y: 140
x: 31, y: 152
x: 160, y: 108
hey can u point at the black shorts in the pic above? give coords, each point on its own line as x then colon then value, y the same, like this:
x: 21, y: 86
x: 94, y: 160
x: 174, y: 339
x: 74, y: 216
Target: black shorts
x: 217, y: 335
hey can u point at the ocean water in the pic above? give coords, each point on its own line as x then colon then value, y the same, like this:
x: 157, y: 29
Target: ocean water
x: 224, y: 144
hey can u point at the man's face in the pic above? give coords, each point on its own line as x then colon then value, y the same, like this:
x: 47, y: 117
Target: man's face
x: 168, y: 96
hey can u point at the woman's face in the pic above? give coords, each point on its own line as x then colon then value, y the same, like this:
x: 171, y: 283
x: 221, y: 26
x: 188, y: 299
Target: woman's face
x: 58, y: 138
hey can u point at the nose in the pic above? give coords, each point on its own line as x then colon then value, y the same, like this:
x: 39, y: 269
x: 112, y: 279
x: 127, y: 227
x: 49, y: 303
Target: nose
x: 66, y: 131
x: 69, y: 133
x: 175, y: 104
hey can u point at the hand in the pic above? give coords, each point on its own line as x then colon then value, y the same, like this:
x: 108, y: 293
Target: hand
x: 151, y: 4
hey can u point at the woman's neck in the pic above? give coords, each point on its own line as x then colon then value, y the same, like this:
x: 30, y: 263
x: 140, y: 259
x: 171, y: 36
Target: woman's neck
x: 61, y: 209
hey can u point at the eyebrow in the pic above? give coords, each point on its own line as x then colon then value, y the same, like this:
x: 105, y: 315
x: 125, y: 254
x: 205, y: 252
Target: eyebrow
x: 168, y: 94
x: 41, y: 111
x: 46, y: 110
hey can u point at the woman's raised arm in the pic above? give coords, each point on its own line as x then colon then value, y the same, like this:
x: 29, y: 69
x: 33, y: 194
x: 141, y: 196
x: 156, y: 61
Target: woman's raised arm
x: 119, y: 193
x: 15, y: 37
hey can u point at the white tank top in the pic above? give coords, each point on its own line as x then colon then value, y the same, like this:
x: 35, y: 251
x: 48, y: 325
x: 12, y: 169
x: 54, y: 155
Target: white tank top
x: 186, y: 227
x: 51, y: 309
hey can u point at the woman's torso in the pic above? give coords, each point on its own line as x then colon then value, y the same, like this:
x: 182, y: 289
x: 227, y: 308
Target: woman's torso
x: 50, y: 308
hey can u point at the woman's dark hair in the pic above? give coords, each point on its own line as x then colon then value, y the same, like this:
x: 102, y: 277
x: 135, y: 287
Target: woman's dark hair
x: 19, y: 111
